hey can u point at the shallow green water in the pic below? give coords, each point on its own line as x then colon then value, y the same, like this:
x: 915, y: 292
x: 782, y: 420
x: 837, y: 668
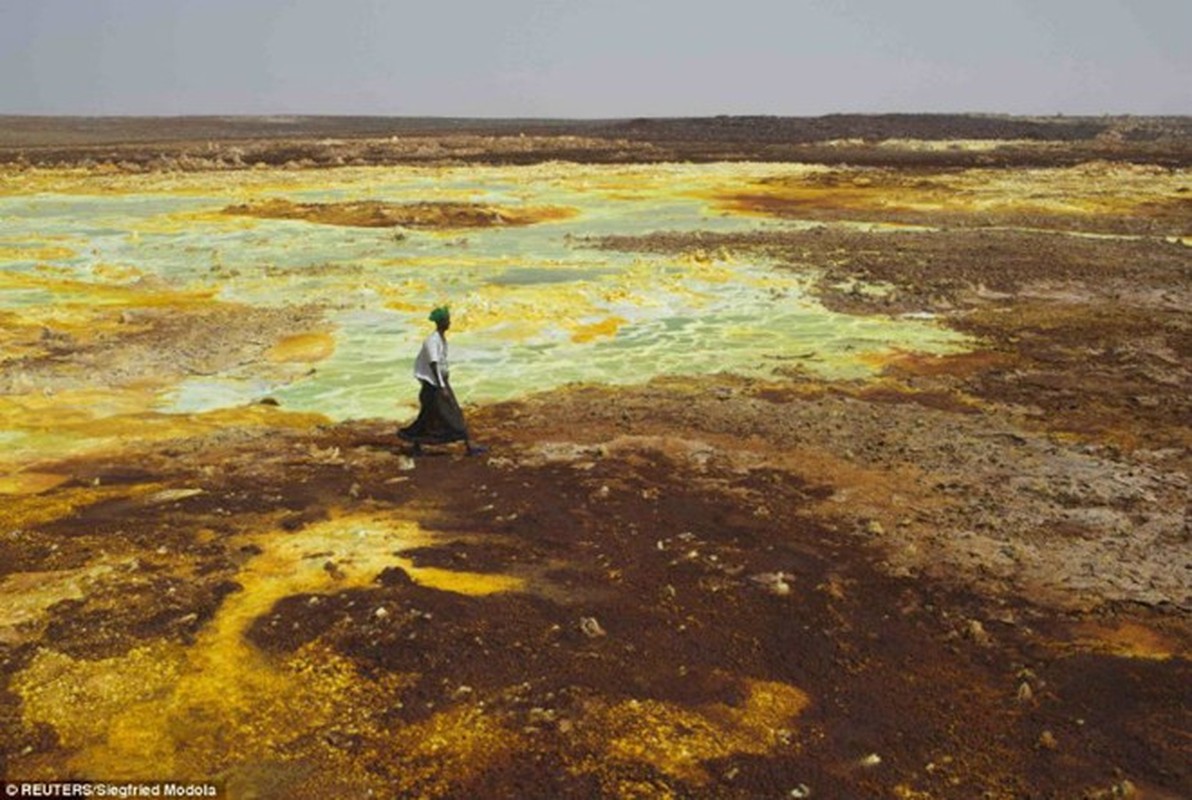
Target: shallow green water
x: 534, y: 308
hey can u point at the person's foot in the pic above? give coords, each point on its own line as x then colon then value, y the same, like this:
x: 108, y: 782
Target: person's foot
x: 476, y: 449
x: 417, y: 449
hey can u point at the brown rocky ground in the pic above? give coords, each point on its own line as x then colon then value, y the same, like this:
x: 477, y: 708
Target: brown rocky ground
x: 198, y: 143
x: 969, y: 578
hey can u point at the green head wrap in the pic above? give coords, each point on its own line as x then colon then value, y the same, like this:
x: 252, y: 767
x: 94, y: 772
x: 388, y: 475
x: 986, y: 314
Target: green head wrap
x: 440, y: 314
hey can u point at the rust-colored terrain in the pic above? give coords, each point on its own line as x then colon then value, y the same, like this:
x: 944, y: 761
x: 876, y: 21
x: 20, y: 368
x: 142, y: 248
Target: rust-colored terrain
x: 968, y: 577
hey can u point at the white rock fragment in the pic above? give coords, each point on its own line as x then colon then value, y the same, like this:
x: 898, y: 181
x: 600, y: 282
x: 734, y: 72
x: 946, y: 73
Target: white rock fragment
x: 976, y: 631
x: 776, y: 583
x: 591, y: 628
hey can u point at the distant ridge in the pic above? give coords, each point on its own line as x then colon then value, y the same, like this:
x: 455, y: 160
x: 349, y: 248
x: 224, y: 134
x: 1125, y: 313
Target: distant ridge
x: 202, y: 142
x: 33, y: 131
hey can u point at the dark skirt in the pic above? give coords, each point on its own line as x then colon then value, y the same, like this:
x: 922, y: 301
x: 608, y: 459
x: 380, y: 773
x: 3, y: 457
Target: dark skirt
x: 439, y: 421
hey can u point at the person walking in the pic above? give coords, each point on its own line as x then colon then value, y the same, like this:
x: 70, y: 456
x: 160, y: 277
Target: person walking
x: 440, y: 419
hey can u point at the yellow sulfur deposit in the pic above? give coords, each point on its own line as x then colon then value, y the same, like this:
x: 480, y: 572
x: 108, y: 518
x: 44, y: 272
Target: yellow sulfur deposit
x: 676, y: 740
x: 200, y: 710
x: 989, y: 196
x: 303, y: 347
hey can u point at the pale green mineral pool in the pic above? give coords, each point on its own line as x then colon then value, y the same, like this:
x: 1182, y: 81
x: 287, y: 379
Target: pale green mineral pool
x: 534, y: 307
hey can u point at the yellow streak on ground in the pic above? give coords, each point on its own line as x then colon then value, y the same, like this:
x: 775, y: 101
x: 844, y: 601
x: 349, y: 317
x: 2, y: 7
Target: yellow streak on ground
x: 166, y: 709
x: 75, y: 410
x: 303, y: 347
x: 87, y: 421
x: 469, y: 583
x: 21, y: 333
x: 140, y: 294
x: 116, y: 272
x: 30, y: 482
x: 605, y: 328
x: 449, y: 750
x: 181, y: 221
x: 522, y: 312
x: 23, y: 511
x: 43, y: 253
x: 1087, y: 189
x: 676, y: 740
x: 1128, y: 639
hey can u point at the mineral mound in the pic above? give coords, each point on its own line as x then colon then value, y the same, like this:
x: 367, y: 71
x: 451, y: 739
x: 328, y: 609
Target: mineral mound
x: 376, y: 214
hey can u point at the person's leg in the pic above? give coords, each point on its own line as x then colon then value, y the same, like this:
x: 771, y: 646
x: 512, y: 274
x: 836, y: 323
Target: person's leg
x: 423, y: 425
x: 453, y: 418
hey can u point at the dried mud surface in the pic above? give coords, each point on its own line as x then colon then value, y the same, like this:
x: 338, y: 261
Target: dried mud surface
x: 152, y: 345
x: 969, y: 577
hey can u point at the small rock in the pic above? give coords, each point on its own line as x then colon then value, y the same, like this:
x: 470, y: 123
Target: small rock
x: 394, y: 576
x: 1025, y: 693
x: 776, y: 583
x: 976, y: 631
x: 539, y: 715
x: 833, y: 587
x: 329, y: 455
x: 1047, y: 741
x: 874, y: 528
x: 801, y: 790
x: 381, y: 613
x: 591, y: 628
x: 871, y: 760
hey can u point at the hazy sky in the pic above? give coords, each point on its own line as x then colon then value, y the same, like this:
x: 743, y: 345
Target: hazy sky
x: 601, y: 58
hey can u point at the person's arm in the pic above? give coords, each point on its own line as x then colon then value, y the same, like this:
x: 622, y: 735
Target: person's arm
x: 444, y: 383
x: 436, y: 352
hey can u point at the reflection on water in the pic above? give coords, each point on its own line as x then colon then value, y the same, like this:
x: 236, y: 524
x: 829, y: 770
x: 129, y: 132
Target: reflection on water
x: 533, y: 308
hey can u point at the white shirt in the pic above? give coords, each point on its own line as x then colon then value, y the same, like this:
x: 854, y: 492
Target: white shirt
x: 434, y: 349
